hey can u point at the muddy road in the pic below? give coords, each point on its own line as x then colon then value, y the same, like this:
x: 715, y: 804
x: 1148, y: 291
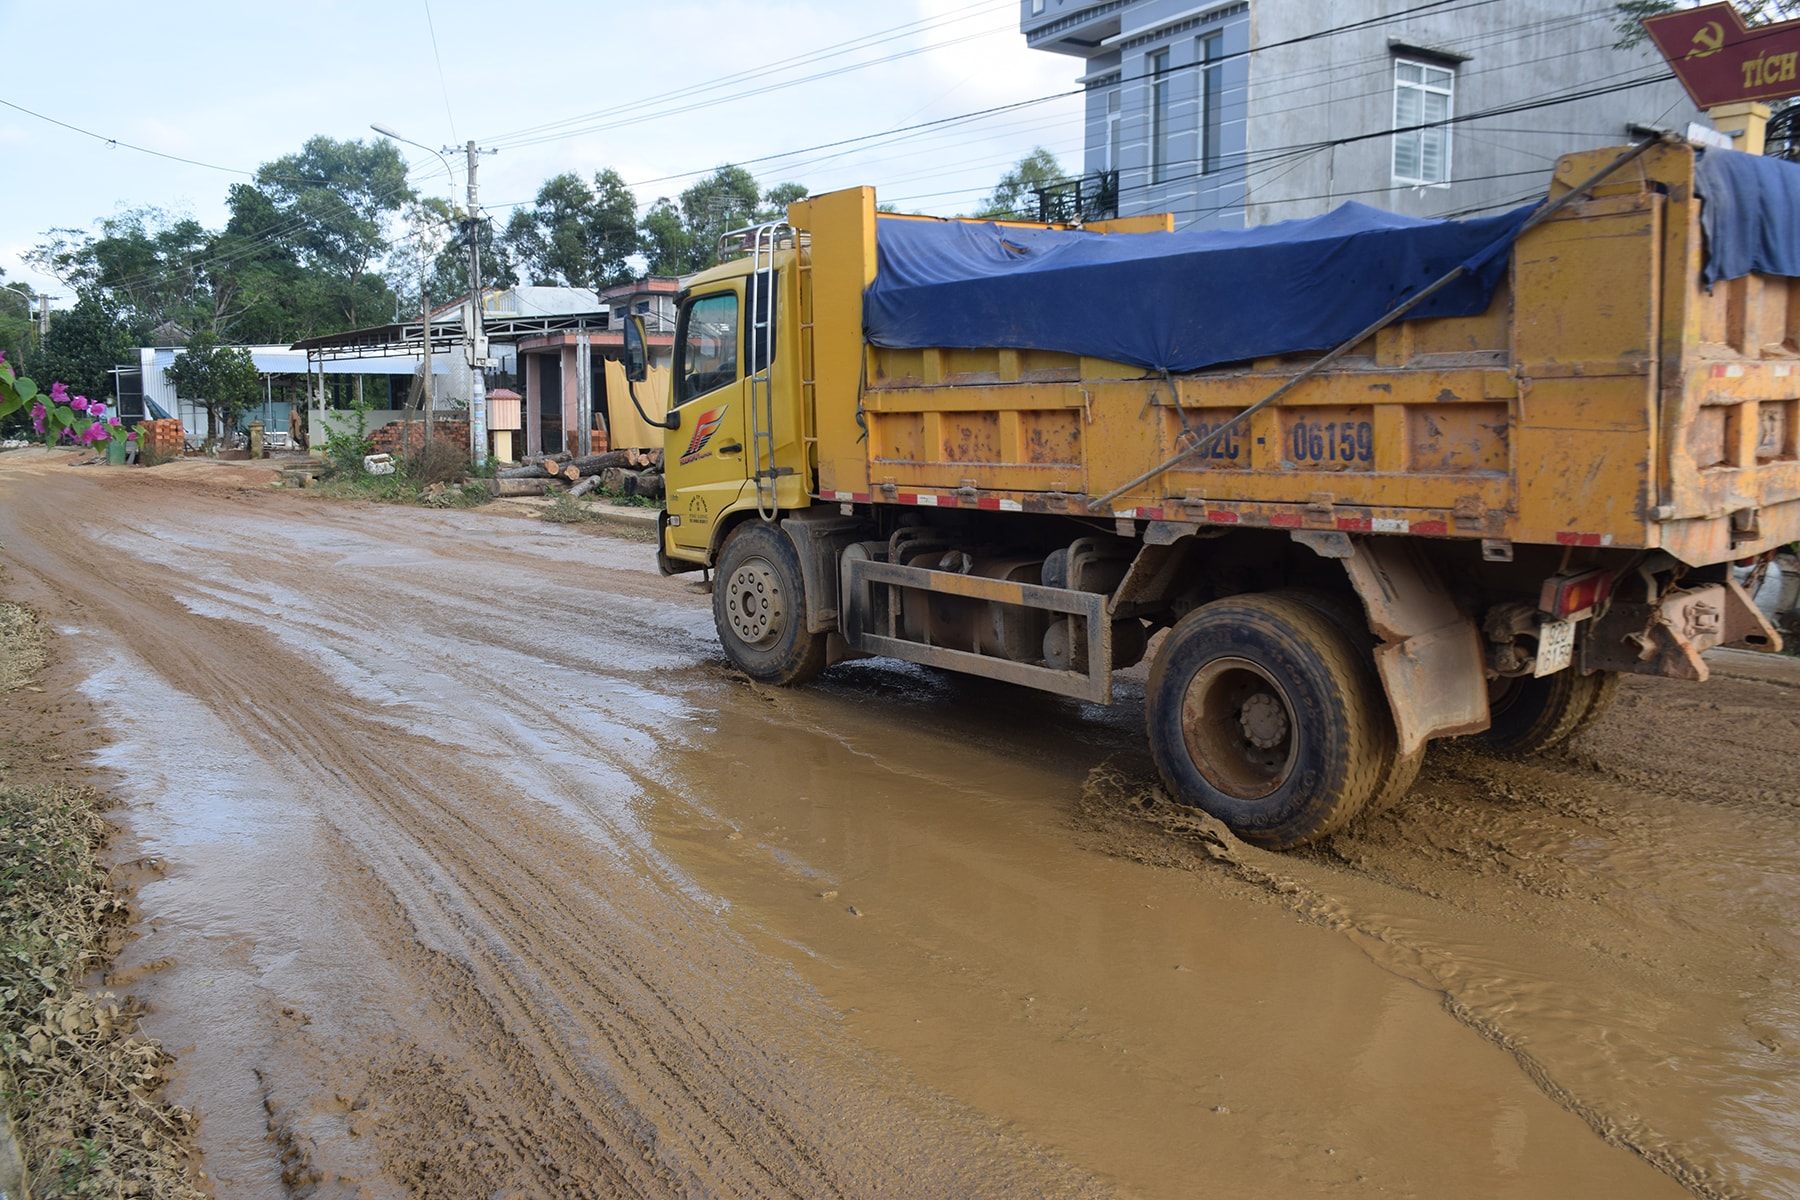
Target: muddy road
x: 467, y: 868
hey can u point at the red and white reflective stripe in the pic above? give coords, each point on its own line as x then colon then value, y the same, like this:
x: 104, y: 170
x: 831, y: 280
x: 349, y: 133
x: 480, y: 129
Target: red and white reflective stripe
x: 1217, y: 516
x: 1728, y: 371
x: 1584, y: 539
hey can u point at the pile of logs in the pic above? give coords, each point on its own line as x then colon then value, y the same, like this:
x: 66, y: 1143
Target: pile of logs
x: 620, y: 472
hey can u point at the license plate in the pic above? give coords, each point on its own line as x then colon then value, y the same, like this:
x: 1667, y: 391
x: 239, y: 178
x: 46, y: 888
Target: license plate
x: 1556, y: 647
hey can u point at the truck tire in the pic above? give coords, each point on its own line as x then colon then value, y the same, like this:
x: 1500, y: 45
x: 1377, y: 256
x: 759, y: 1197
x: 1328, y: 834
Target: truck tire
x: 1530, y: 715
x: 1398, y: 772
x: 1260, y: 714
x: 759, y: 607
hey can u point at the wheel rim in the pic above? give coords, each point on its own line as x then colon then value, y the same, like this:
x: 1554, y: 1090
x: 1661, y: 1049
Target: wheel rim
x: 754, y: 604
x: 1240, y: 728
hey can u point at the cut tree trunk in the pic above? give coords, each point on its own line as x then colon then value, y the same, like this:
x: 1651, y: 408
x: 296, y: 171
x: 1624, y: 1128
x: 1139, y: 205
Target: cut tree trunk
x: 592, y: 464
x: 504, y: 487
x: 529, y: 472
x: 585, y: 486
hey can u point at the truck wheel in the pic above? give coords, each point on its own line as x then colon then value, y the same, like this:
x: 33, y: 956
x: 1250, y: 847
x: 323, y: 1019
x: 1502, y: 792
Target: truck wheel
x: 1260, y: 714
x: 759, y: 606
x: 1530, y: 715
x: 1397, y: 772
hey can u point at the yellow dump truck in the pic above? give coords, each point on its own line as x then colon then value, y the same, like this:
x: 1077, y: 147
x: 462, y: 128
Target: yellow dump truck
x: 1464, y: 518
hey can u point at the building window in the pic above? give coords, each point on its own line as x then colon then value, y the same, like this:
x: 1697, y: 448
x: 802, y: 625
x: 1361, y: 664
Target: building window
x: 1212, y: 99
x: 1037, y: 8
x: 1423, y: 94
x: 1113, y: 103
x: 1160, y: 136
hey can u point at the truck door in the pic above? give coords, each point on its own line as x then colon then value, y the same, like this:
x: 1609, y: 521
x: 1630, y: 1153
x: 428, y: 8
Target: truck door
x: 705, y: 460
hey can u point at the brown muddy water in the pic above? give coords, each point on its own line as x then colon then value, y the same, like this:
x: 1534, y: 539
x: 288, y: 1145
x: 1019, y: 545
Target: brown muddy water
x: 467, y: 868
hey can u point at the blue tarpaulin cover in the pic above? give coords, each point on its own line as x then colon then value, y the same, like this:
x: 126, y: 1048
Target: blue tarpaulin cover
x: 1750, y: 215
x: 1173, y: 301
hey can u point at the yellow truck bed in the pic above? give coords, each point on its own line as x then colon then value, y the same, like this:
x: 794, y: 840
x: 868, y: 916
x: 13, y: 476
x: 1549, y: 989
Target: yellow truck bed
x: 1604, y: 399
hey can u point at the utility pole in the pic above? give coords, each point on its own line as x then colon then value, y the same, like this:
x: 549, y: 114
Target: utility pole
x: 477, y: 337
x: 425, y: 335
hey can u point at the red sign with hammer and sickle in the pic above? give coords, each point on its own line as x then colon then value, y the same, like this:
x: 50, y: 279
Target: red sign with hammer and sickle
x: 1719, y: 59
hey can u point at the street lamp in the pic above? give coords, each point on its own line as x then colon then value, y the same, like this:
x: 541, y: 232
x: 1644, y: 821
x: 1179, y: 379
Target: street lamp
x: 424, y: 278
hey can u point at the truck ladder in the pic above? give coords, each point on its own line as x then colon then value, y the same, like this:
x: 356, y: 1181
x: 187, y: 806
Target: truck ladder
x: 761, y: 302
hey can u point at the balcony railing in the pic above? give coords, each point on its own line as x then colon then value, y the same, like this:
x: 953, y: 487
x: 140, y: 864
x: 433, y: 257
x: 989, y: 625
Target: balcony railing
x: 1092, y: 197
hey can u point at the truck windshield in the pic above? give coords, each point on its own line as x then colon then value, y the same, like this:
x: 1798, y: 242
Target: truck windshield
x: 706, y: 346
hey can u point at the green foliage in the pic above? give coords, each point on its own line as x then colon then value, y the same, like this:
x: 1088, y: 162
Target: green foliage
x: 436, y: 461
x: 565, y: 509
x: 273, y: 298
x: 146, y: 261
x: 223, y: 378
x: 336, y: 196
x: 18, y: 332
x: 345, y: 449
x: 777, y: 199
x: 575, y: 235
x: 681, y: 237
x: 85, y: 343
x: 1014, y: 197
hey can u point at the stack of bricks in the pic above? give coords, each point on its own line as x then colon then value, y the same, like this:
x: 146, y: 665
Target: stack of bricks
x: 161, y: 439
x: 405, y: 438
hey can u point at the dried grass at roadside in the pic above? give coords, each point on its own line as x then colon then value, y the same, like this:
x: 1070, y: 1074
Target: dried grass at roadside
x: 21, y: 646
x: 81, y: 1084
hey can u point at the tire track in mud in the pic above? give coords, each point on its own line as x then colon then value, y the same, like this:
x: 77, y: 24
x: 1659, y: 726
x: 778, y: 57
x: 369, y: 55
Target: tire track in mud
x: 553, y: 1044
x: 1549, y: 938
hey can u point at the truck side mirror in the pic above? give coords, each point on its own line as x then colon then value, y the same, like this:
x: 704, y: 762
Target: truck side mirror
x: 637, y: 356
x: 637, y: 369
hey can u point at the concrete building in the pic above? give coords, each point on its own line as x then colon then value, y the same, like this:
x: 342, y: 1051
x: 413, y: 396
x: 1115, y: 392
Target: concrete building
x: 1241, y: 112
x: 567, y: 379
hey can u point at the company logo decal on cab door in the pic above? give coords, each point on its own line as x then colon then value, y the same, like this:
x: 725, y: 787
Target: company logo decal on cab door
x: 708, y: 425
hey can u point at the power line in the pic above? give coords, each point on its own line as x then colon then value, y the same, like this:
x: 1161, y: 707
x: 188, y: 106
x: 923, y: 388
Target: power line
x: 443, y: 86
x: 530, y: 134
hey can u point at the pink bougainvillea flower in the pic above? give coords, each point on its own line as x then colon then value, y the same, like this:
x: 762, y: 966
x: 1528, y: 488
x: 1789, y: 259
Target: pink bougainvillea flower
x: 59, y: 393
x: 131, y: 436
x: 79, y: 404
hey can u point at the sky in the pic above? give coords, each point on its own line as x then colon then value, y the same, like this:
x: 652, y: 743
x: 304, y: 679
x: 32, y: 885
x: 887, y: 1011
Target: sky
x: 552, y: 88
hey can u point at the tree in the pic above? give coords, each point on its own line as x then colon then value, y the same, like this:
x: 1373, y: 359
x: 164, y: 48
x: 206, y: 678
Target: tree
x: 336, y: 196
x: 1015, y: 197
x: 777, y: 199
x: 18, y: 332
x: 574, y: 235
x: 223, y: 378
x: 85, y: 343
x: 679, y: 238
x: 150, y: 262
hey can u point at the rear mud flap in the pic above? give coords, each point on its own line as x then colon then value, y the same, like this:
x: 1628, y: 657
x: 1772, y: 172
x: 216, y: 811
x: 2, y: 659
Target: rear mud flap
x: 1431, y: 657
